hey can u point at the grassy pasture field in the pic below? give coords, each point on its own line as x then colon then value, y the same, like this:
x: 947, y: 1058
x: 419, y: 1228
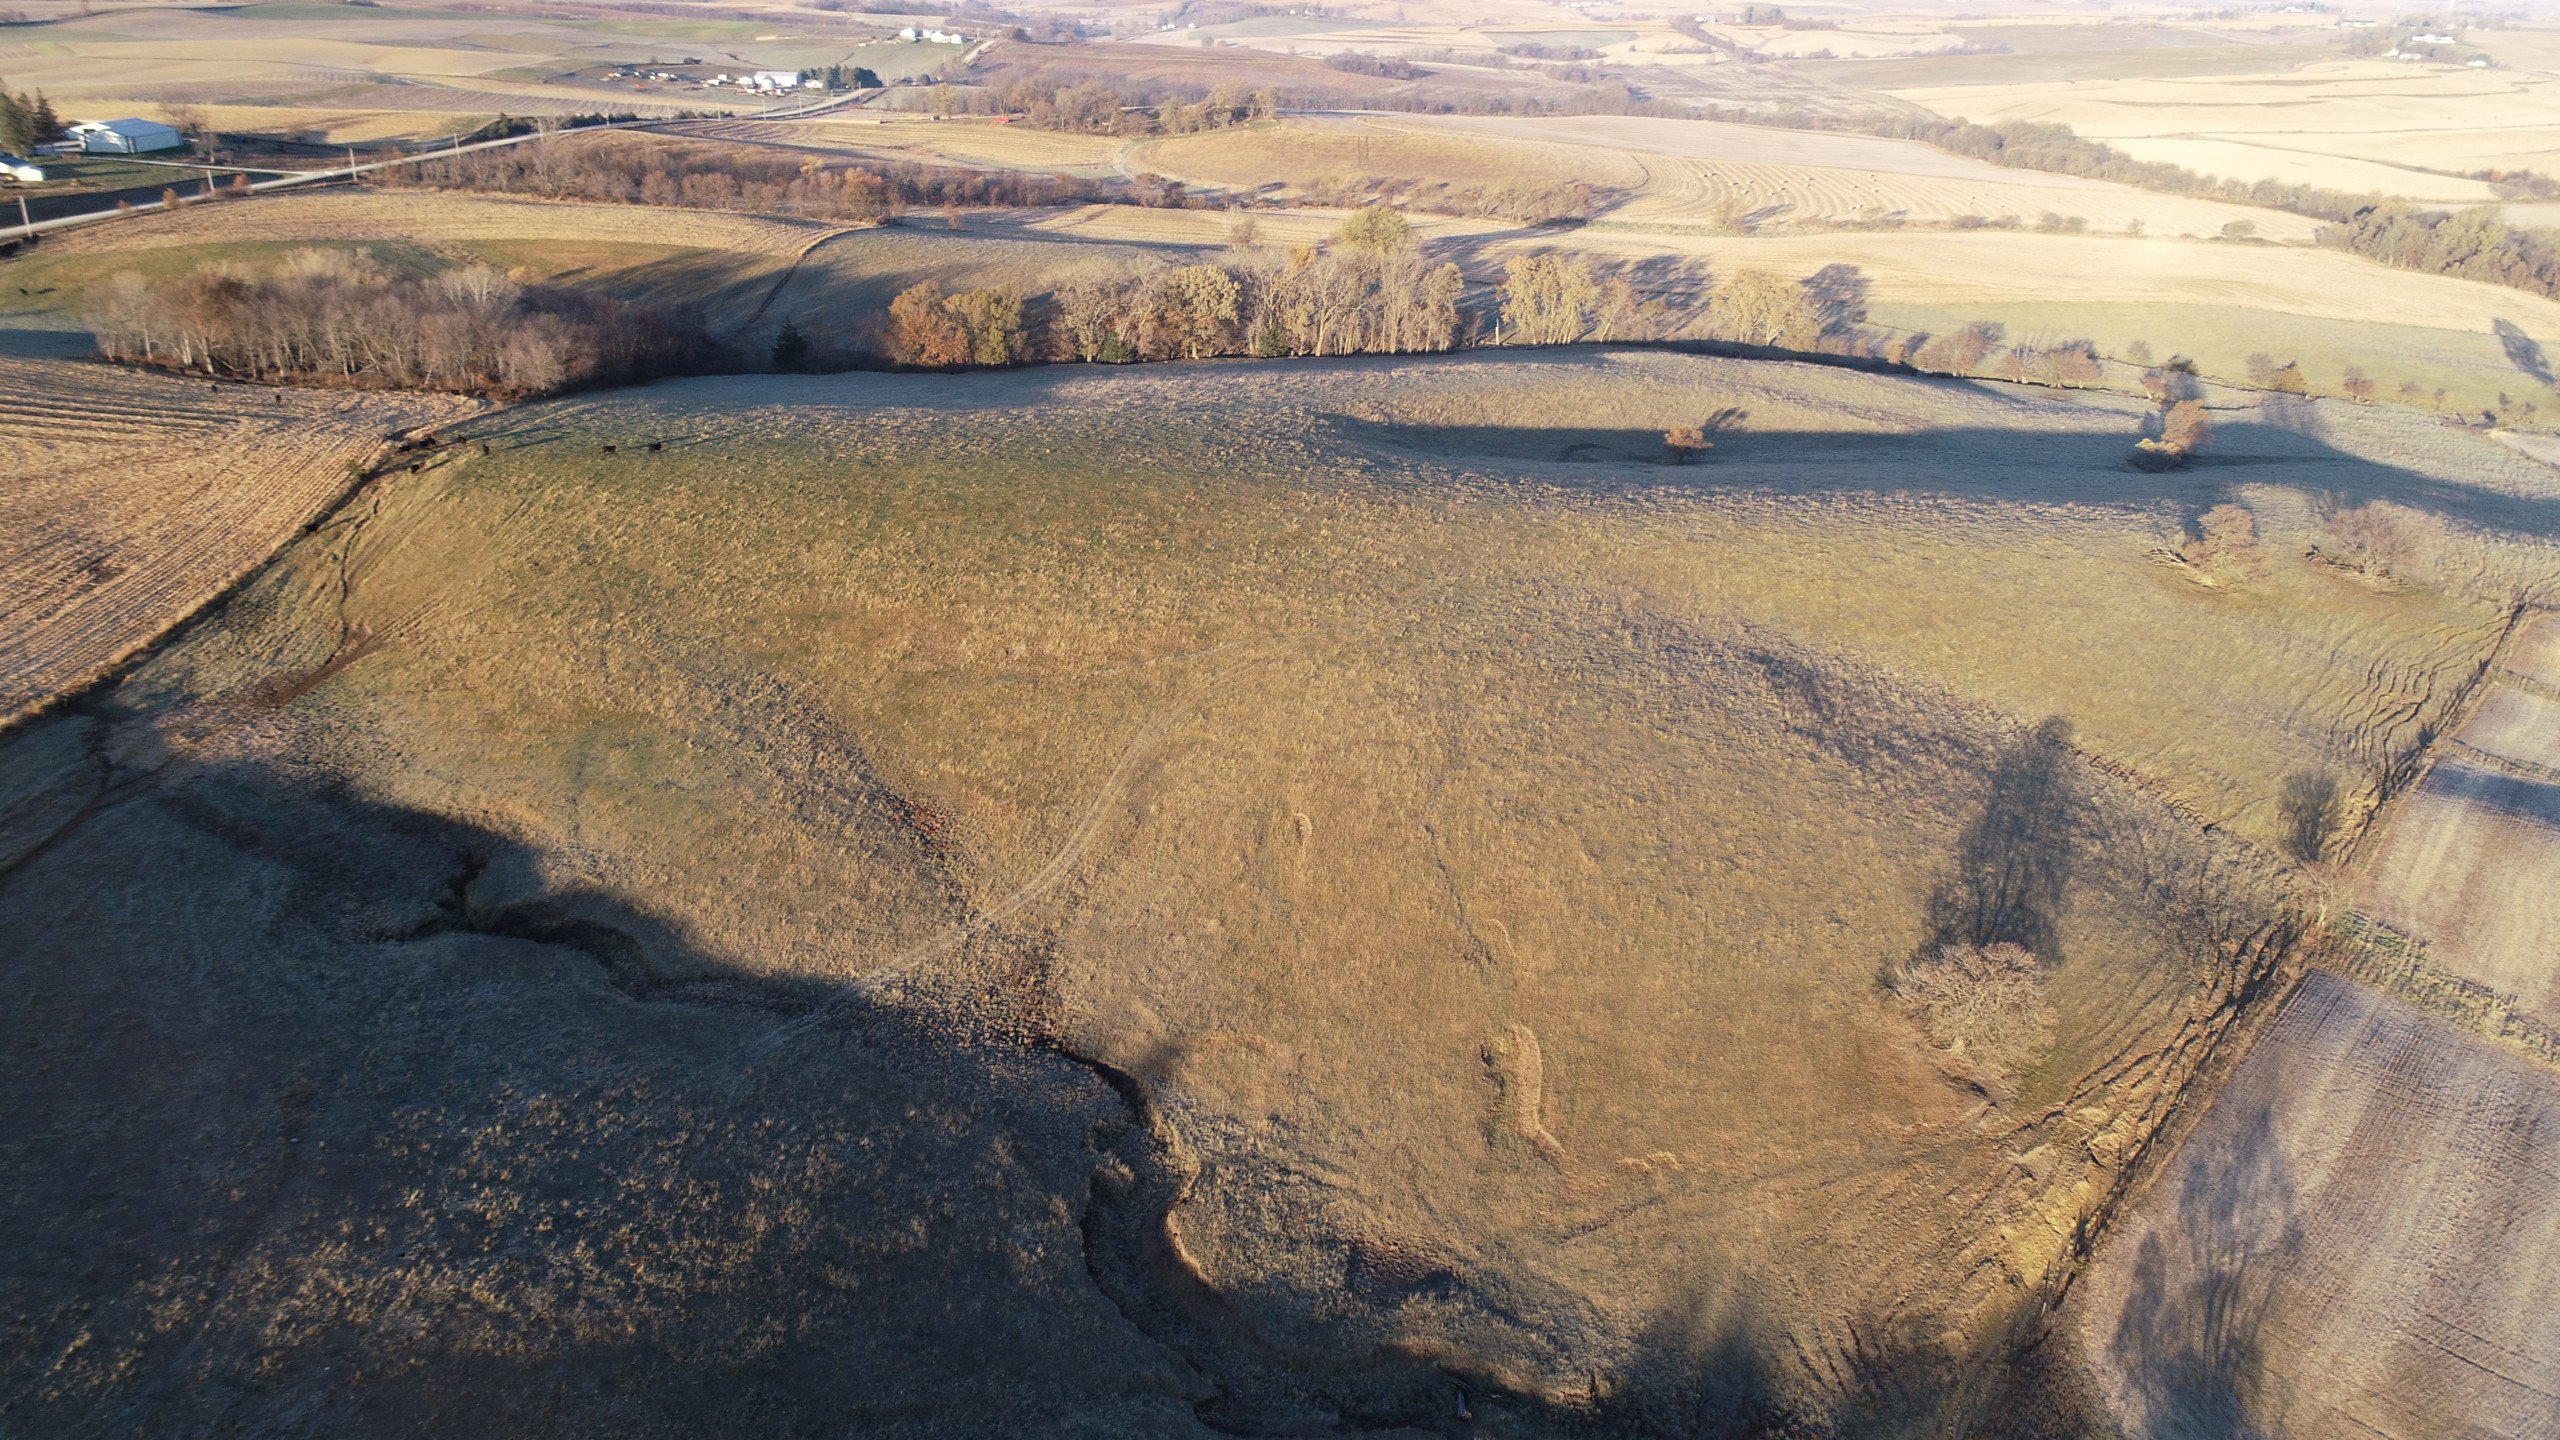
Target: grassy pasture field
x: 1278, y: 766
x: 1283, y: 897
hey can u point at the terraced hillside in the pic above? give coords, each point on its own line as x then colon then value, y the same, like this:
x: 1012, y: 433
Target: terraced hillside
x: 1271, y: 897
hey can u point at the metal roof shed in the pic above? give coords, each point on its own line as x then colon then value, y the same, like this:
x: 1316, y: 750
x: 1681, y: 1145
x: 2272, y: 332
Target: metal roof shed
x: 130, y: 137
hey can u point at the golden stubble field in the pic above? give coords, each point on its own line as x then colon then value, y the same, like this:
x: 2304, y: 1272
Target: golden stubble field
x: 1692, y: 174
x: 1464, y: 854
x: 2353, y: 125
x: 136, y: 499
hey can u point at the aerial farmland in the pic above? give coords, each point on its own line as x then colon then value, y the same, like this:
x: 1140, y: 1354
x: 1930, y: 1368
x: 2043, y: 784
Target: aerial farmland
x: 1191, y: 720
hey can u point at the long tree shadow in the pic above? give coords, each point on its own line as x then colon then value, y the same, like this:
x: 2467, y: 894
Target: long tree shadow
x: 2189, y: 1339
x: 2082, y: 462
x: 2013, y: 864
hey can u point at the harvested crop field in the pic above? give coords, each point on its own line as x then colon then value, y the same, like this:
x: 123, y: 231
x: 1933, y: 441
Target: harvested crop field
x: 1681, y: 173
x: 2470, y: 863
x: 2355, y: 1240
x: 1223, y: 808
x: 134, y: 499
x: 427, y: 217
x: 1299, y: 153
x: 2273, y: 158
x: 920, y: 139
x: 2371, y: 110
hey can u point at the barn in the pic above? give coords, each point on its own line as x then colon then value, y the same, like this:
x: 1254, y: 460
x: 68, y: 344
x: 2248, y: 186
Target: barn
x: 127, y: 137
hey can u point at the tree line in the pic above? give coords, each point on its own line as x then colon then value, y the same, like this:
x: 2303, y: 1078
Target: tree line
x: 1371, y: 291
x: 340, y: 317
x: 1054, y: 101
x: 26, y: 121
x: 710, y: 176
x: 2468, y: 244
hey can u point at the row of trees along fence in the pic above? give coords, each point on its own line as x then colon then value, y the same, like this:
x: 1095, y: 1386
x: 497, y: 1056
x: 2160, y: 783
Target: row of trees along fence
x: 340, y: 317
x: 1371, y: 291
x: 638, y: 170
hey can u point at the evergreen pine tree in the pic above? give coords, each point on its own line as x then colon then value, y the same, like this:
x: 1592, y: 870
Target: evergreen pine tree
x: 790, y: 348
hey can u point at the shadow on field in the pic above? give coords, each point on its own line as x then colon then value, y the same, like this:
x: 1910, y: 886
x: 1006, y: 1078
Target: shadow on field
x: 2282, y: 446
x: 2189, y: 1345
x: 315, y: 1131
x: 311, y: 1136
x: 2013, y: 864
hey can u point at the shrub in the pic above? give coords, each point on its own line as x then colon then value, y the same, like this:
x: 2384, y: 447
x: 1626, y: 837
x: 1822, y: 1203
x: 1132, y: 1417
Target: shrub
x: 1685, y: 443
x: 923, y: 331
x: 2225, y: 546
x: 936, y: 331
x: 2184, y: 430
x: 1961, y: 353
x: 790, y: 348
x: 1379, y: 229
x: 2284, y: 379
x: 2374, y: 539
x: 1986, y: 1004
x: 2172, y: 382
x: 1757, y: 307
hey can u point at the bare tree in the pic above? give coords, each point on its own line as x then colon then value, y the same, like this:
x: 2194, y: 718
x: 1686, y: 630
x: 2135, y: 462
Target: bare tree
x: 1985, y: 1004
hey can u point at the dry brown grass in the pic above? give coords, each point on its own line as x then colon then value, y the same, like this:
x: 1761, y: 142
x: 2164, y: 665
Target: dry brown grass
x: 433, y: 217
x: 1316, y: 770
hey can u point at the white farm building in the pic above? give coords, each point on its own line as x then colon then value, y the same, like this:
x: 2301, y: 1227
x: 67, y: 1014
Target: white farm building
x: 127, y: 137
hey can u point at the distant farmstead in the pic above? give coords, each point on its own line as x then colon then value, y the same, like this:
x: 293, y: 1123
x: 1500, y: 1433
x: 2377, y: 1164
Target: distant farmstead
x: 127, y: 137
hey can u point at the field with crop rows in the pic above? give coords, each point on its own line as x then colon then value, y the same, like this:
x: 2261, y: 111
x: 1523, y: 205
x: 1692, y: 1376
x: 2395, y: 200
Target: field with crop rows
x: 137, y: 498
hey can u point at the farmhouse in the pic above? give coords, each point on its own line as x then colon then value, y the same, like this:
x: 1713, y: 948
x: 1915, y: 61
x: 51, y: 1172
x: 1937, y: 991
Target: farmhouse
x: 127, y: 137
